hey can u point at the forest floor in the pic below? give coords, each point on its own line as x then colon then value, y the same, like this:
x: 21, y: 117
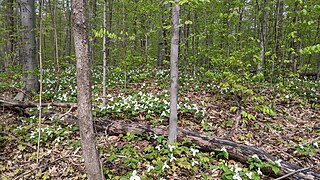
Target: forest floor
x: 283, y: 123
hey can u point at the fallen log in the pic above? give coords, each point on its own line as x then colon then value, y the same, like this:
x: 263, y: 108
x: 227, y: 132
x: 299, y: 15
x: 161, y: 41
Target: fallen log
x: 236, y: 151
x: 23, y: 105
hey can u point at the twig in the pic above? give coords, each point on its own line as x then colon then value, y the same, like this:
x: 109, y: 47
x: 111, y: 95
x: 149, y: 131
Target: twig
x: 294, y: 172
x: 66, y: 112
x: 313, y: 140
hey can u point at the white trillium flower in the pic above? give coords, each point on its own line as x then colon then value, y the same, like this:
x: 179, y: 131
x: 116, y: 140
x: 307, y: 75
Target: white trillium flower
x: 249, y: 174
x: 172, y: 158
x: 194, y: 151
x: 301, y: 146
x: 315, y: 144
x: 223, y: 149
x: 134, y: 176
x: 165, y: 165
x: 155, y: 136
x: 277, y: 162
x: 158, y: 147
x: 236, y: 177
x: 255, y: 156
x: 259, y: 171
x: 171, y: 147
x: 194, y: 162
x: 57, y: 139
x: 149, y: 167
x: 237, y: 169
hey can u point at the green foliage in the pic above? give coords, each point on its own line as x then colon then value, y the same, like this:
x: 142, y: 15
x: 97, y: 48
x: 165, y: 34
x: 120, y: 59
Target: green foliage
x: 307, y: 149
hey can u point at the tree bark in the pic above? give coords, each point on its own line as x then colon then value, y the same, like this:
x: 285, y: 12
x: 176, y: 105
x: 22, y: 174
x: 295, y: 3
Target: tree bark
x: 294, y: 41
x: 68, y: 39
x: 263, y: 21
x: 90, y: 153
x: 28, y: 55
x: 53, y: 5
x: 174, y: 74
x: 104, y: 91
x: 160, y: 54
x: 109, y: 50
x: 10, y: 40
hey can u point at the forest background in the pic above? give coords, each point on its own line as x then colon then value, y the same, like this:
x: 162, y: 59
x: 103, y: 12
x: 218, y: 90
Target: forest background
x: 241, y: 62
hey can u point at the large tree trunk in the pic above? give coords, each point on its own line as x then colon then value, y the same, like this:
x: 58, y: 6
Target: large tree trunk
x: 90, y: 153
x: 28, y: 55
x: 174, y: 74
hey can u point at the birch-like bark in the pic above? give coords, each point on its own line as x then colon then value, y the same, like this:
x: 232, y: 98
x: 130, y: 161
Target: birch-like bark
x: 28, y: 55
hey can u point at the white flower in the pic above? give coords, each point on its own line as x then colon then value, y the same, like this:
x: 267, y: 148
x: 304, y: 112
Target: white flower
x: 301, y: 146
x: 165, y: 165
x: 277, y: 162
x: 134, y: 176
x: 172, y: 158
x: 237, y: 169
x: 255, y: 157
x: 149, y: 167
x: 194, y: 151
x: 57, y: 139
x: 155, y: 136
x: 223, y: 149
x: 158, y: 147
x: 249, y: 174
x: 171, y: 147
x: 259, y: 171
x: 194, y: 162
x: 32, y: 136
x: 315, y: 144
x: 236, y: 177
x: 162, y: 178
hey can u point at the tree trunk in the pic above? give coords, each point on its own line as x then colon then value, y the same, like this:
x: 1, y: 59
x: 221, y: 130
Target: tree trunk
x: 160, y: 43
x: 53, y: 5
x: 174, y: 74
x: 124, y: 50
x: 68, y: 39
x: 294, y: 42
x: 104, y: 53
x: 90, y: 153
x: 263, y: 21
x: 109, y: 52
x: 10, y: 42
x: 28, y: 55
x: 277, y: 35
